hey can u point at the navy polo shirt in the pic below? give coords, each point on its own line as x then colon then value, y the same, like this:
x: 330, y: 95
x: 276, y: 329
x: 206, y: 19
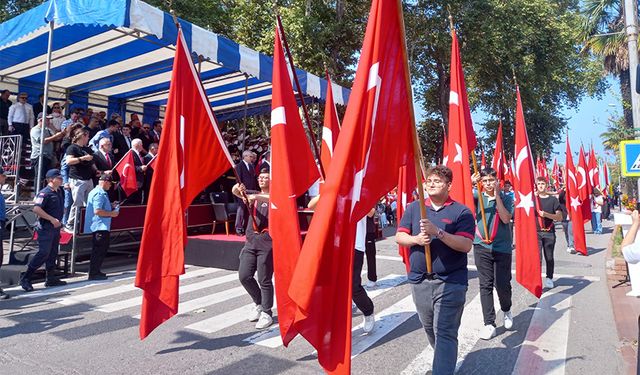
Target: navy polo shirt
x: 52, y: 202
x: 447, y: 264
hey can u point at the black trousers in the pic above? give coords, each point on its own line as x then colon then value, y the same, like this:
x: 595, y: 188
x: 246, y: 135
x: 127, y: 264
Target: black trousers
x: 358, y: 294
x: 370, y: 252
x: 101, y: 240
x: 242, y: 217
x: 546, y: 244
x: 494, y: 270
x: 46, y: 164
x: 261, y: 291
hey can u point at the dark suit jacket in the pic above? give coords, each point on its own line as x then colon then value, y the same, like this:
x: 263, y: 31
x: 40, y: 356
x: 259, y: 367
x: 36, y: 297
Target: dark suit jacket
x: 120, y: 143
x: 247, y: 175
x: 101, y: 161
x: 139, y: 162
x: 146, y: 140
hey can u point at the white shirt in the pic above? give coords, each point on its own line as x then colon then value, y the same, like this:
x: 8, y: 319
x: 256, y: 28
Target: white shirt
x: 22, y: 113
x: 597, y: 207
x: 632, y: 253
x: 361, y: 233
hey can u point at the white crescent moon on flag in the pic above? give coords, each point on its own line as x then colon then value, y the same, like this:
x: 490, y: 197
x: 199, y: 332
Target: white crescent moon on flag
x: 522, y: 155
x: 124, y: 170
x: 573, y: 177
x: 592, y: 173
x: 458, y: 157
x: 327, y: 137
x: 583, y: 175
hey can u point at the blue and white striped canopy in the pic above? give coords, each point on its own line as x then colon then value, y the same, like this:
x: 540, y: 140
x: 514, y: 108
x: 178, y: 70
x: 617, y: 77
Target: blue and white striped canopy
x: 117, y: 55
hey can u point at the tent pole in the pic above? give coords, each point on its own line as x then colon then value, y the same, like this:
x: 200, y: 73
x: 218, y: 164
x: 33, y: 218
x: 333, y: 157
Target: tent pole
x: 45, y: 105
x: 244, y: 124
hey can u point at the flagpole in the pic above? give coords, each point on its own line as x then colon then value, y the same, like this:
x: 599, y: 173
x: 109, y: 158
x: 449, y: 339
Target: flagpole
x: 301, y: 95
x: 417, y: 151
x: 475, y: 163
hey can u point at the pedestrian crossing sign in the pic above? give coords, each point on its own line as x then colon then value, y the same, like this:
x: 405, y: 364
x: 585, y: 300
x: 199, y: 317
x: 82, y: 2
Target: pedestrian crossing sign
x: 630, y: 158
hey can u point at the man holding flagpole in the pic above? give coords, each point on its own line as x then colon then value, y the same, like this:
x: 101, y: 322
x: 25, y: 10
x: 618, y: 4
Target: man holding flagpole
x: 439, y: 296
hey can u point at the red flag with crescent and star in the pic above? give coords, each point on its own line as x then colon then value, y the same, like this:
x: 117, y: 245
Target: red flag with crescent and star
x: 584, y: 186
x: 127, y: 171
x: 594, y: 172
x: 574, y: 205
x: 526, y: 236
x: 192, y: 155
x: 375, y: 141
x: 461, y: 140
x: 293, y: 170
x: 498, y: 160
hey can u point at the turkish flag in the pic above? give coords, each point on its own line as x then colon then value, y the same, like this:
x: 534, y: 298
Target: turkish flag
x: 127, y: 171
x: 526, y: 237
x: 594, y: 173
x: 192, y: 155
x: 293, y: 170
x: 605, y: 170
x: 375, y: 141
x: 152, y: 163
x: 330, y: 128
x: 583, y: 186
x: 498, y: 160
x: 461, y: 140
x: 555, y: 174
x: 541, y: 166
x: 574, y: 205
x: 406, y: 186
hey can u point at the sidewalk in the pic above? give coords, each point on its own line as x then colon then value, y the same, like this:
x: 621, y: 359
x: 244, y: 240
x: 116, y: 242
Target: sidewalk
x: 626, y: 312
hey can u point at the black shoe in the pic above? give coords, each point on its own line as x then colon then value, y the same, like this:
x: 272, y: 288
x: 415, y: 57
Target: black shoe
x: 54, y: 282
x: 26, y: 285
x: 100, y: 276
x: 4, y: 295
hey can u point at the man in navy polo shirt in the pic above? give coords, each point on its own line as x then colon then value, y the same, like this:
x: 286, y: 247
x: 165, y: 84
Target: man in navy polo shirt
x: 439, y: 296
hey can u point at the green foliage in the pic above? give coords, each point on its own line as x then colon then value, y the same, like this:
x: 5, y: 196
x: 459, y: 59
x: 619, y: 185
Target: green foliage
x: 533, y: 38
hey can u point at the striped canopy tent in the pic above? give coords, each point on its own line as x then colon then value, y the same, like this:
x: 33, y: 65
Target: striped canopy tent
x: 117, y: 56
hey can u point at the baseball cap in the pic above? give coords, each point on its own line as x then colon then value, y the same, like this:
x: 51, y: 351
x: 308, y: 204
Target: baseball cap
x: 106, y: 177
x: 53, y: 173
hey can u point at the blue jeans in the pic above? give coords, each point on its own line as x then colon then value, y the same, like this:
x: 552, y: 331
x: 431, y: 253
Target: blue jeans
x: 596, y: 223
x: 68, y: 201
x: 439, y: 306
x: 567, y: 228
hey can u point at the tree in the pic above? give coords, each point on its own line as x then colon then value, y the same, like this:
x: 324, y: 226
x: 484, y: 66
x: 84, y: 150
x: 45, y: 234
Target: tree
x: 602, y: 32
x: 533, y: 38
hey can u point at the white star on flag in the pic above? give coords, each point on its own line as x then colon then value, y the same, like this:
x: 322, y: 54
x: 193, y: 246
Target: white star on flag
x: 575, y: 203
x: 526, y: 202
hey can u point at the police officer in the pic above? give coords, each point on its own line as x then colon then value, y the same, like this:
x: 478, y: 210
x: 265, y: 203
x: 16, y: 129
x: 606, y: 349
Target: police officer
x: 49, y: 208
x: 97, y: 220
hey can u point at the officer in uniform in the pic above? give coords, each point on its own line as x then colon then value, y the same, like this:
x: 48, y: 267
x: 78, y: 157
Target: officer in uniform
x: 49, y: 208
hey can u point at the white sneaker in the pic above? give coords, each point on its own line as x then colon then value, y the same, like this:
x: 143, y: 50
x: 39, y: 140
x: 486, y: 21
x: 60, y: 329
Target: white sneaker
x: 508, y: 320
x: 354, y: 308
x: 370, y: 284
x: 487, y: 332
x: 254, y: 315
x: 571, y: 250
x: 369, y: 323
x: 548, y: 283
x: 265, y: 321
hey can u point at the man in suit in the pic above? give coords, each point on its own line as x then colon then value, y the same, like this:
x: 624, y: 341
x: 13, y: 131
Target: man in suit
x: 266, y: 161
x: 141, y: 169
x: 146, y: 186
x: 121, y: 142
x: 145, y: 136
x: 247, y: 174
x: 104, y: 161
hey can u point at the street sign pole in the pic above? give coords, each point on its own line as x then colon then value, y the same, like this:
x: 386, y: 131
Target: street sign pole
x: 631, y: 29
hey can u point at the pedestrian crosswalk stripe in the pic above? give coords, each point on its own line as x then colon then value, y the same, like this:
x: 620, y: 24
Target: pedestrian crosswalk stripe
x: 271, y: 337
x: 90, y: 296
x: 386, y: 321
x: 468, y: 333
x: 135, y: 301
x: 225, y: 320
x: 544, y: 350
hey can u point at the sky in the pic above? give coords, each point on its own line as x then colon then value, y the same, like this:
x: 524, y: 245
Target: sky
x: 585, y: 123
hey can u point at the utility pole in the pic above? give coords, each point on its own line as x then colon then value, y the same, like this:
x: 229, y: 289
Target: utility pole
x: 631, y: 29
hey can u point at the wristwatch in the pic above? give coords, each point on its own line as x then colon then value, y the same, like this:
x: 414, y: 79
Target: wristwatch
x: 440, y: 234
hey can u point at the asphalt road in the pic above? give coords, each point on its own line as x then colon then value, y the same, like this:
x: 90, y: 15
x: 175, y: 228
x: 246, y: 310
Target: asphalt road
x: 92, y: 327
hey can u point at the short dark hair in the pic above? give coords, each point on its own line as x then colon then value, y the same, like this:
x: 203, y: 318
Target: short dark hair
x: 264, y: 170
x: 126, y: 126
x: 507, y: 182
x: 113, y: 123
x: 488, y: 171
x: 542, y: 179
x: 440, y: 171
x: 5, y: 90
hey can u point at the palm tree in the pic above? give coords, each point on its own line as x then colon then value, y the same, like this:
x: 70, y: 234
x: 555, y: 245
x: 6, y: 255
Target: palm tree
x: 602, y: 34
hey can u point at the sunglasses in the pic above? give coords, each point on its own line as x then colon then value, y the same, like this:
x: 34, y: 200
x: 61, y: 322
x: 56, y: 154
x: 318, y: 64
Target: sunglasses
x: 23, y: 97
x: 145, y: 128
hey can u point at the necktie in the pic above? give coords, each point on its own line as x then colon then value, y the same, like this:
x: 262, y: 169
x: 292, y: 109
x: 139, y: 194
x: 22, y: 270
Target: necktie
x: 108, y: 160
x: 128, y: 142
